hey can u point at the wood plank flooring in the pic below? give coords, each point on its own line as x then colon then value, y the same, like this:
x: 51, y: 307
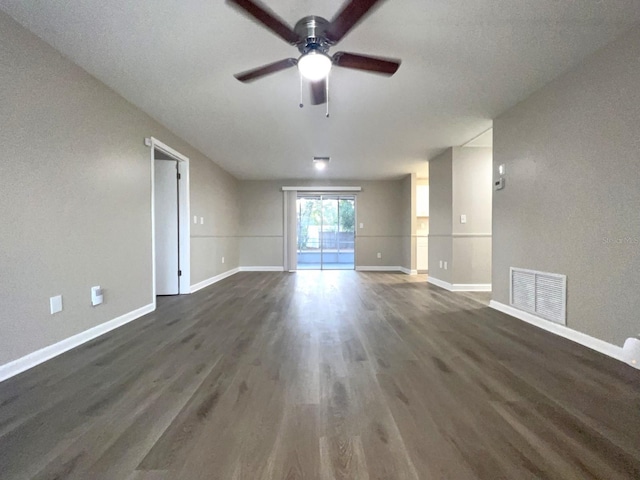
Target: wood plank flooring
x: 323, y: 375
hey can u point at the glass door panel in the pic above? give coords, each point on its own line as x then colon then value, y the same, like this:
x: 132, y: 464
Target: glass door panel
x: 326, y: 232
x: 329, y: 235
x: 309, y: 225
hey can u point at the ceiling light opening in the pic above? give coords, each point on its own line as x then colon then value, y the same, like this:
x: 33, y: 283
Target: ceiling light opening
x: 314, y: 65
x: 321, y: 162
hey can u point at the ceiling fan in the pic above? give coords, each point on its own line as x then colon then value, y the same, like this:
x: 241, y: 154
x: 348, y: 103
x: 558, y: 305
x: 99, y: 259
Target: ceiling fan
x: 313, y: 36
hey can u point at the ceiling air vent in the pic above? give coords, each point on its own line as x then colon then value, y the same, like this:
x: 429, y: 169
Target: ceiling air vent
x: 540, y: 293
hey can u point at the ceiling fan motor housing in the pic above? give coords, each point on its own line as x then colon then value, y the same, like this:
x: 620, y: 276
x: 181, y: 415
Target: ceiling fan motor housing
x: 312, y: 31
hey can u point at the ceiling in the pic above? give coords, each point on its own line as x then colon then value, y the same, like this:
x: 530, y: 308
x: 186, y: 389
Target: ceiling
x: 463, y: 63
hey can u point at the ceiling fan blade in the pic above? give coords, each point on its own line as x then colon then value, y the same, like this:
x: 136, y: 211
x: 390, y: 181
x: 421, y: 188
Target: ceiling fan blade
x: 352, y: 12
x: 259, y: 72
x: 268, y: 19
x: 319, y: 92
x: 385, y: 66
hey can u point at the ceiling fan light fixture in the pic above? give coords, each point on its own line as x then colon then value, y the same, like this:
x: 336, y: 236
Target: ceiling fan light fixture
x: 314, y: 65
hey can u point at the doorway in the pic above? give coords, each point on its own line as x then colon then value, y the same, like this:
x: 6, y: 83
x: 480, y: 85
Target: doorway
x: 170, y: 220
x: 167, y: 218
x: 326, y: 232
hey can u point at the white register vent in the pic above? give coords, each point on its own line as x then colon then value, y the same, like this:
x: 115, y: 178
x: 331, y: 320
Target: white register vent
x: 540, y: 293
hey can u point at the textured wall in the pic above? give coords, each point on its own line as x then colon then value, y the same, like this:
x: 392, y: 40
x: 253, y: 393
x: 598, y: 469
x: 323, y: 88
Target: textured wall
x: 380, y: 207
x: 440, y: 214
x: 570, y: 205
x: 75, y: 205
x: 472, y: 194
x: 460, y: 184
x: 409, y: 222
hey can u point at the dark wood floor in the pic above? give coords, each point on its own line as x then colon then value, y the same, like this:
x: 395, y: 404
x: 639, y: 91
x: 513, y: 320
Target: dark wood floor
x: 332, y: 375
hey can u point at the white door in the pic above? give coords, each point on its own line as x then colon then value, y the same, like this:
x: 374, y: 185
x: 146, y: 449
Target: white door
x: 166, y: 227
x: 423, y: 254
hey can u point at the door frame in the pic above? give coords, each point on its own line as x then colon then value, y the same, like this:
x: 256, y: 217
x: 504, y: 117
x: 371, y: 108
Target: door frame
x: 289, y: 210
x: 184, y: 216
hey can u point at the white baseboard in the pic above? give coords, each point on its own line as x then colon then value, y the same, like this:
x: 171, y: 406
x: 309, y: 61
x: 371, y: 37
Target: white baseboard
x: 593, y: 343
x: 408, y: 271
x: 440, y: 283
x: 471, y: 287
x: 210, y: 281
x: 460, y: 287
x: 378, y: 268
x: 262, y: 269
x: 15, y: 367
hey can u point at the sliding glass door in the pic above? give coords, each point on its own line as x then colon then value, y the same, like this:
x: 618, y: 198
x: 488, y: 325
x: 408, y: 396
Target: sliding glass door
x: 326, y: 232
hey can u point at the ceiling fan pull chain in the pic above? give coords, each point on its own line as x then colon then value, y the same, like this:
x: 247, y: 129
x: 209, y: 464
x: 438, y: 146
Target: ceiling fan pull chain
x: 301, y: 104
x: 327, y: 95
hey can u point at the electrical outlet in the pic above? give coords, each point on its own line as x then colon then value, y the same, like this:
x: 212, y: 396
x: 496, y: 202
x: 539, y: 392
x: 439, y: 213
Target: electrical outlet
x: 463, y: 219
x: 55, y: 303
x: 201, y: 220
x: 379, y: 255
x: 362, y: 225
x: 195, y: 219
x: 445, y: 265
x: 440, y: 263
x: 222, y: 259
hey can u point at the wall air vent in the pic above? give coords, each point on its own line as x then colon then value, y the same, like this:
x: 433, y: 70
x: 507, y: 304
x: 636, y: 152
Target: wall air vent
x: 540, y: 293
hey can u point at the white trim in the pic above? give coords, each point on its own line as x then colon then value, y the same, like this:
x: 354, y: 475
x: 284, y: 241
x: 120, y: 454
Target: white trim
x: 457, y: 235
x: 262, y: 269
x: 323, y: 189
x: 439, y: 283
x: 593, y: 343
x: 285, y: 236
x: 377, y: 268
x: 210, y: 281
x: 185, y: 227
x: 408, y: 271
x: 460, y: 287
x: 15, y: 367
x: 184, y: 216
x: 471, y: 287
x: 155, y: 143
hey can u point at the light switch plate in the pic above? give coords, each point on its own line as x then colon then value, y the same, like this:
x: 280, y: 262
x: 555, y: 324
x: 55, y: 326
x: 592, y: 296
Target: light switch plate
x: 195, y: 219
x: 96, y: 296
x: 201, y: 220
x: 56, y: 304
x: 362, y: 225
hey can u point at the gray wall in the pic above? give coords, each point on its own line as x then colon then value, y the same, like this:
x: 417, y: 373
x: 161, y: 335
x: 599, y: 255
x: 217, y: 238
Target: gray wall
x: 440, y: 214
x: 460, y: 183
x: 472, y: 195
x: 75, y: 202
x: 409, y: 222
x: 261, y: 223
x: 570, y: 205
x: 381, y: 207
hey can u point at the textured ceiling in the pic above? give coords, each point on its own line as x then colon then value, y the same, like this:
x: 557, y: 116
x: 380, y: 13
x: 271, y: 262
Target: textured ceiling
x: 464, y: 62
